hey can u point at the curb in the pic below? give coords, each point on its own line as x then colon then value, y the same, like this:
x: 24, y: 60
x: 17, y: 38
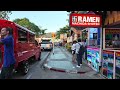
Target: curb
x: 63, y: 70
x: 44, y: 61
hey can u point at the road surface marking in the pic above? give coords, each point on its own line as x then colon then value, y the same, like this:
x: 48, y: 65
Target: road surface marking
x: 28, y: 77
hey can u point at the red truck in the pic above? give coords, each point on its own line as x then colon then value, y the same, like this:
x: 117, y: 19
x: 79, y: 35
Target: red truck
x: 25, y: 46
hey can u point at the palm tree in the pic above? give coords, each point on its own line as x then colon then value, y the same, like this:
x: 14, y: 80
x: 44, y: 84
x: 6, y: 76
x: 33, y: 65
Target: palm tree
x: 43, y: 31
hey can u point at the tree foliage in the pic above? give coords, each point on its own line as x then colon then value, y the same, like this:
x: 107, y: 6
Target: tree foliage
x: 43, y: 31
x: 63, y: 30
x: 30, y: 25
x: 5, y: 14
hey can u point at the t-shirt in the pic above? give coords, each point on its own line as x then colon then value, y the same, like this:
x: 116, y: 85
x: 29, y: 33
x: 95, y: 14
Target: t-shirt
x: 78, y: 46
x: 8, y: 51
x: 73, y: 47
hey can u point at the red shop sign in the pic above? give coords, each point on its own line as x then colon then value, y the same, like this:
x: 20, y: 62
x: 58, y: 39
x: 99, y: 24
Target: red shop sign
x: 85, y: 20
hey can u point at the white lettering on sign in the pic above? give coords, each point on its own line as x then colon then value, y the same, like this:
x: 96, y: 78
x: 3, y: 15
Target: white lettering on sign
x: 74, y: 19
x: 85, y: 20
x: 89, y: 19
x: 79, y: 19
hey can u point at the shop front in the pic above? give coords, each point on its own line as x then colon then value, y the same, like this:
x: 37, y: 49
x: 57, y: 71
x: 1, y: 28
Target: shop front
x: 93, y: 38
x: 111, y: 46
x: 111, y: 53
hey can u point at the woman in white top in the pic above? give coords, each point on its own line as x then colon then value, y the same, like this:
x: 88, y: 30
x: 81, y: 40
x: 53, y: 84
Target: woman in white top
x: 73, y: 51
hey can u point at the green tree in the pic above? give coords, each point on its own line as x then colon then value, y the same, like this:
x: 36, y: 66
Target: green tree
x: 63, y: 30
x: 30, y: 25
x: 5, y: 14
x: 42, y: 32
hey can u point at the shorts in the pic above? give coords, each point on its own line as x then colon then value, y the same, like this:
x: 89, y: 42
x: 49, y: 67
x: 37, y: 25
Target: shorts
x: 73, y: 52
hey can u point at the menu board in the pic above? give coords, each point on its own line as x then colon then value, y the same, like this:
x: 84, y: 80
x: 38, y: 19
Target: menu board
x: 107, y: 64
x: 93, y: 56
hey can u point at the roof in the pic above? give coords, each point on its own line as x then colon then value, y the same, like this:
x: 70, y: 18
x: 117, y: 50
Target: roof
x: 3, y: 20
x: 24, y: 28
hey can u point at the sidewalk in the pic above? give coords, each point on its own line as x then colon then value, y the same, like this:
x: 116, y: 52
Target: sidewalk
x: 61, y: 61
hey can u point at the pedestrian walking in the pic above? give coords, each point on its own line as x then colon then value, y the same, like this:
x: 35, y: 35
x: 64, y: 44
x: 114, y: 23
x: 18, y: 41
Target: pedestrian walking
x: 79, y: 52
x: 73, y: 48
x: 9, y: 59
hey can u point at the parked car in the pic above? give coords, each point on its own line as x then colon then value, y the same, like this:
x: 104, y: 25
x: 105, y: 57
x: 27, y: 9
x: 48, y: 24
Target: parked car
x: 46, y: 45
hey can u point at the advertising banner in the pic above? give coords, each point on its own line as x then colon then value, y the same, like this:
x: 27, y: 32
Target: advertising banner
x: 107, y: 64
x: 93, y: 56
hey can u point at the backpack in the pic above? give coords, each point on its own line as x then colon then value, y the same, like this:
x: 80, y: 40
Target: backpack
x: 81, y: 49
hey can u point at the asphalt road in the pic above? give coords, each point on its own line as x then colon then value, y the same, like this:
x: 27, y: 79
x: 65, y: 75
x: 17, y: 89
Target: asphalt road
x: 33, y: 68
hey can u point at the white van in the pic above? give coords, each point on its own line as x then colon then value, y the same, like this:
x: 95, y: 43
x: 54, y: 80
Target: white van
x: 46, y: 44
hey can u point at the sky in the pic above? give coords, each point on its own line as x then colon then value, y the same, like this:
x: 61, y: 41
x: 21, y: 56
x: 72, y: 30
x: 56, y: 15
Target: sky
x: 50, y: 20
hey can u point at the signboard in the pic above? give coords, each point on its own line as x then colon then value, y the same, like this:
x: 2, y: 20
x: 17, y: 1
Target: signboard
x: 93, y: 56
x: 107, y: 64
x: 85, y: 20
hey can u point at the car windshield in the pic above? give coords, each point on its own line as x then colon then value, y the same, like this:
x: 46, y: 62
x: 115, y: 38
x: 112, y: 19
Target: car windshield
x: 45, y: 42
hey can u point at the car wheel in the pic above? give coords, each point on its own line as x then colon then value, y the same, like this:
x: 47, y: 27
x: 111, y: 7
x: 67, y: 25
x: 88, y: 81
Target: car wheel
x: 25, y: 68
x: 39, y: 58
